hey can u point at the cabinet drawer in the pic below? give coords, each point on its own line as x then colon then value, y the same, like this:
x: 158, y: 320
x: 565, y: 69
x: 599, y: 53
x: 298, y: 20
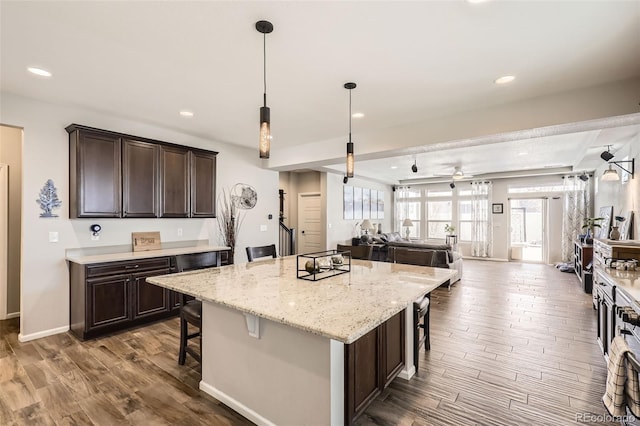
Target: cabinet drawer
x: 605, y: 287
x: 118, y: 268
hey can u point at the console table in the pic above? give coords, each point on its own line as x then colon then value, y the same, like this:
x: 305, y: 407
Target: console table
x: 582, y: 260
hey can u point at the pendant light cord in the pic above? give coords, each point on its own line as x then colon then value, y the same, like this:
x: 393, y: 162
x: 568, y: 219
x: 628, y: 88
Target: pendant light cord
x: 264, y: 65
x: 349, y: 115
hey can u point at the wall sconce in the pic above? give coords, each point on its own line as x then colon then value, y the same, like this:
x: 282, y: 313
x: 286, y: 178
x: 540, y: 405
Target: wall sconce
x: 612, y: 174
x: 414, y: 168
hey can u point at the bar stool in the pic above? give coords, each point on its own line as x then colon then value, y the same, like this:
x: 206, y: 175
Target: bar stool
x: 262, y: 251
x: 191, y: 309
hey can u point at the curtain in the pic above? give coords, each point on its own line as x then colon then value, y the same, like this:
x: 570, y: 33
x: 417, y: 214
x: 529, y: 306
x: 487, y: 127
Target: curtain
x: 577, y: 204
x: 481, y: 229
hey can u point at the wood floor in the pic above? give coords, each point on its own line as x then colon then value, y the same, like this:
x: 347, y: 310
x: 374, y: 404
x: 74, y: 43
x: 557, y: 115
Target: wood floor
x: 510, y: 344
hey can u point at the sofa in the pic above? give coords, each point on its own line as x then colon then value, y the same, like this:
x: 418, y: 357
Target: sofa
x: 440, y: 255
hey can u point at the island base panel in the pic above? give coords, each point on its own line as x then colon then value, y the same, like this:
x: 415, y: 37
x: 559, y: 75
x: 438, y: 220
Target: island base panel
x: 284, y: 377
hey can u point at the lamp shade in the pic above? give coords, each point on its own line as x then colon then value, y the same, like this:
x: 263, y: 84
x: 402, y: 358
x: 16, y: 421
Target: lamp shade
x: 366, y: 225
x: 407, y: 222
x: 610, y: 175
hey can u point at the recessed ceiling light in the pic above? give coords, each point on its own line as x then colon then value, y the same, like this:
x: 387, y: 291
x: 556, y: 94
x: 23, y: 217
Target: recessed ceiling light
x: 477, y: 1
x: 504, y: 79
x: 39, y: 71
x: 394, y: 167
x: 523, y: 153
x: 186, y: 113
x: 357, y: 115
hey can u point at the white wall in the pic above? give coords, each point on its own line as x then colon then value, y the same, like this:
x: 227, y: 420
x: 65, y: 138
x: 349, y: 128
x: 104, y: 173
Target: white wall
x: 622, y: 196
x: 339, y: 230
x: 45, y: 281
x: 11, y: 154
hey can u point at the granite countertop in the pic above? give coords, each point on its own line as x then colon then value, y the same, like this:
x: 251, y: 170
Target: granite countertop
x: 85, y: 257
x: 343, y: 307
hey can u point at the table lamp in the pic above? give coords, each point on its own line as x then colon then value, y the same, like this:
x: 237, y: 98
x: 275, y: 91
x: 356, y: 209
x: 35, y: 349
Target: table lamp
x: 407, y: 223
x: 366, y: 225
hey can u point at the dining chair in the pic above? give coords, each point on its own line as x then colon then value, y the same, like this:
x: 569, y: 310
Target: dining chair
x: 358, y: 252
x: 191, y: 309
x: 254, y: 253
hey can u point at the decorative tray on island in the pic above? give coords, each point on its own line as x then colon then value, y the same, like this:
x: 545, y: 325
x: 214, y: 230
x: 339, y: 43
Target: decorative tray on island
x: 323, y: 264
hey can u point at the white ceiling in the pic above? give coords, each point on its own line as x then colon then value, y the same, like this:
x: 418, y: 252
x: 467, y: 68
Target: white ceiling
x: 411, y: 60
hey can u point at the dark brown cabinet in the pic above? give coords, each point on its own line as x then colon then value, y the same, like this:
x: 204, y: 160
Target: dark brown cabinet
x: 139, y: 179
x: 118, y: 175
x: 174, y: 187
x: 94, y: 175
x: 111, y: 296
x: 371, y: 363
x: 203, y: 187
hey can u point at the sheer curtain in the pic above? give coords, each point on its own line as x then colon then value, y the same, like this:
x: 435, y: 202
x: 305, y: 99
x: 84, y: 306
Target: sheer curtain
x: 481, y: 230
x: 577, y: 203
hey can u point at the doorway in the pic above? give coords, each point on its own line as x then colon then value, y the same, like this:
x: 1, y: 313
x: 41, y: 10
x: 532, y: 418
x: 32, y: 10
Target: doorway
x: 4, y: 237
x: 310, y: 238
x: 528, y: 240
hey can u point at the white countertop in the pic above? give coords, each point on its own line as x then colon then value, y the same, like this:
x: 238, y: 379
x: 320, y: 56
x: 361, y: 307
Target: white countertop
x: 628, y: 281
x: 85, y: 259
x: 343, y: 307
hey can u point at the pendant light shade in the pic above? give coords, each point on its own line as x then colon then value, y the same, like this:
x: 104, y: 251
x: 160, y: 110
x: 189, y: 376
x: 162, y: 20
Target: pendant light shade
x: 350, y: 158
x: 265, y: 27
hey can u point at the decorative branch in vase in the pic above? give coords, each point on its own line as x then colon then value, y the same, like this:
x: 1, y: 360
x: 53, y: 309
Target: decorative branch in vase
x: 590, y: 224
x: 230, y: 219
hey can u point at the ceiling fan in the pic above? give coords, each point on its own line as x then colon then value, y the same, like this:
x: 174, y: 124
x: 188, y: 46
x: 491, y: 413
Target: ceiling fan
x: 456, y: 175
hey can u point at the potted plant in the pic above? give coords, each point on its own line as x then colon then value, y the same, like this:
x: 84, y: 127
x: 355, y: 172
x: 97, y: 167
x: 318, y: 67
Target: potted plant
x: 450, y: 229
x: 590, y: 224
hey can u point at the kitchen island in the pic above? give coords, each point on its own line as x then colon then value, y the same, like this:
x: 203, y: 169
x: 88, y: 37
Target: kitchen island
x: 282, y: 350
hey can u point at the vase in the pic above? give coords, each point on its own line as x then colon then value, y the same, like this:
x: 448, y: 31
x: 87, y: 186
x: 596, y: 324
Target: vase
x: 614, y: 234
x: 379, y: 228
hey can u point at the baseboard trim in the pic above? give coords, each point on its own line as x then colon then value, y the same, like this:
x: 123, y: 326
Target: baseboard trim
x: 407, y: 373
x: 13, y: 315
x: 491, y: 259
x: 234, y: 404
x: 27, y: 337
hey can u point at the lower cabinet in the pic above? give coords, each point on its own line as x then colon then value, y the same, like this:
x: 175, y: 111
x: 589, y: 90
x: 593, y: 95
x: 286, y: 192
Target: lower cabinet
x: 606, y: 306
x: 111, y: 296
x: 371, y: 363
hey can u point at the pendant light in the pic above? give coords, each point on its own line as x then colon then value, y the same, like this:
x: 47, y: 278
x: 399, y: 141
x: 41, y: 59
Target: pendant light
x: 265, y: 27
x: 350, y: 158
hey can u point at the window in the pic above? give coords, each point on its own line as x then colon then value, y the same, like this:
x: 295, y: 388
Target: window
x: 439, y: 212
x: 465, y: 214
x: 408, y: 207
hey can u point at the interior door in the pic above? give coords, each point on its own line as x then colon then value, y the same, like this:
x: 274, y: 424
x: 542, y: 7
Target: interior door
x: 309, y: 223
x: 4, y: 238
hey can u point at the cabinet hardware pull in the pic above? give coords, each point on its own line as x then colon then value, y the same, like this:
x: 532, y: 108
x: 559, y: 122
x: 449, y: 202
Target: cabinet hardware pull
x: 132, y: 267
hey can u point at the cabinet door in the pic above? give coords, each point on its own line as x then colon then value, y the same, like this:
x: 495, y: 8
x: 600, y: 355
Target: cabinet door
x: 108, y: 301
x: 139, y: 179
x: 149, y: 299
x: 363, y: 379
x: 174, y: 182
x: 393, y: 355
x: 94, y: 174
x: 203, y: 184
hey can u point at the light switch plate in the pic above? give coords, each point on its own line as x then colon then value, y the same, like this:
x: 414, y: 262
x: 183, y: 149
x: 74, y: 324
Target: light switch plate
x: 53, y: 237
x: 263, y: 228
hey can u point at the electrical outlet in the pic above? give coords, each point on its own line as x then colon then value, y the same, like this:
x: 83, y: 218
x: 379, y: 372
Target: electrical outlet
x: 263, y: 228
x: 179, y: 232
x: 53, y: 237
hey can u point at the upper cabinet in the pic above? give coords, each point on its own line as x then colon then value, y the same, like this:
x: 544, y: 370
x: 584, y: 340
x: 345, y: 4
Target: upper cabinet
x: 174, y: 189
x: 94, y: 174
x: 203, y: 188
x: 139, y: 178
x: 117, y: 175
